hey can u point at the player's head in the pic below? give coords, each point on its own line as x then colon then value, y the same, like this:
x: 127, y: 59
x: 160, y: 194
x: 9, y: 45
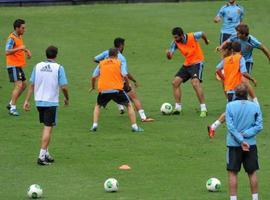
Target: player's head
x: 113, y: 52
x: 178, y: 34
x: 51, y: 52
x: 119, y: 43
x: 231, y: 1
x: 241, y: 92
x: 242, y: 31
x: 236, y: 47
x: 226, y: 50
x: 19, y: 26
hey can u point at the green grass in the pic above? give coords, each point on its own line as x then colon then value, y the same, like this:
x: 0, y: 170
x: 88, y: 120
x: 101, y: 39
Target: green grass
x: 173, y: 158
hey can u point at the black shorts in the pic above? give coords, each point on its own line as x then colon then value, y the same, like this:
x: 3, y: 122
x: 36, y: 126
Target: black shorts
x: 249, y: 66
x: 236, y: 156
x: 119, y: 97
x: 190, y: 72
x: 16, y: 74
x: 224, y: 37
x: 126, y: 88
x: 47, y: 115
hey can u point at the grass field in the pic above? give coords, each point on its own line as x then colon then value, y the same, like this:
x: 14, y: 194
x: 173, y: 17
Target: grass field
x: 174, y: 157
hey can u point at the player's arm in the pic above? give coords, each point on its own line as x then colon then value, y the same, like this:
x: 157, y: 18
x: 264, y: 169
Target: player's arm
x: 246, y: 75
x: 94, y: 77
x: 26, y: 105
x: 125, y: 77
x: 219, y: 16
x: 64, y: 89
x: 171, y: 50
x: 257, y: 126
x: 62, y: 80
x: 130, y: 77
x: 219, y: 69
x: 101, y: 56
x: 219, y: 48
x: 9, y: 47
x: 265, y: 51
x: 204, y: 37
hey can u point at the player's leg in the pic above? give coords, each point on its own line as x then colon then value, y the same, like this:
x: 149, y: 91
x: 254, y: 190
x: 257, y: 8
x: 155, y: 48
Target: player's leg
x: 96, y: 114
x: 212, y: 128
x: 195, y: 72
x: 253, y: 185
x: 232, y: 176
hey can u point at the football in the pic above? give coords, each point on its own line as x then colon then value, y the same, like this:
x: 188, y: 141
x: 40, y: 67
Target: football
x: 111, y: 185
x: 166, y: 108
x: 34, y: 191
x: 213, y: 185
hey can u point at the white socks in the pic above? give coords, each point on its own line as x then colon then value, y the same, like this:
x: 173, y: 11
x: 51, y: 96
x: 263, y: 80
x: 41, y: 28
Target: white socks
x: 203, y: 107
x: 216, y: 124
x: 142, y: 114
x: 12, y: 107
x: 95, y: 125
x: 233, y: 197
x: 255, y: 196
x: 42, y: 154
x: 178, y: 106
x: 134, y: 126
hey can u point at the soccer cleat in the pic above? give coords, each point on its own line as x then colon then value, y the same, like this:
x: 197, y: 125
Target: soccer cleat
x: 93, y: 129
x: 211, y: 131
x: 49, y: 159
x: 176, y: 112
x: 203, y: 114
x: 13, y: 112
x: 148, y: 119
x: 139, y: 129
x: 42, y: 162
x: 8, y: 106
x: 122, y: 111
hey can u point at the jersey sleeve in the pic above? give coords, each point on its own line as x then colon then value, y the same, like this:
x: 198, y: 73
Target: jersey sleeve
x: 243, y: 68
x: 33, y: 76
x: 198, y: 35
x: 220, y: 12
x: 102, y: 56
x: 255, y: 42
x: 173, y: 47
x: 124, y: 71
x: 10, y: 43
x: 220, y: 65
x: 96, y: 72
x: 62, y: 79
x: 242, y: 13
x: 232, y: 38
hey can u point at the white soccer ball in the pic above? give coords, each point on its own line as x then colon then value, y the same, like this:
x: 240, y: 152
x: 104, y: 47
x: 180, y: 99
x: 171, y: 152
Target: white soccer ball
x: 34, y: 191
x: 166, y: 108
x: 213, y: 185
x: 111, y: 185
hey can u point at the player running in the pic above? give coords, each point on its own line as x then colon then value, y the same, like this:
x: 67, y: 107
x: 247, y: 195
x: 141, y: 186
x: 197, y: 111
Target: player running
x: 192, y: 68
x: 111, y: 74
x: 119, y: 44
x: 232, y: 15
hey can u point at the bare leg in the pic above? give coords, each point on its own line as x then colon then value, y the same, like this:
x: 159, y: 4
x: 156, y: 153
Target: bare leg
x: 19, y: 87
x: 198, y: 89
x: 176, y: 89
x: 232, y: 183
x: 253, y: 182
x: 96, y: 113
x: 46, y: 137
x: 251, y: 91
x: 134, y: 98
x: 131, y: 114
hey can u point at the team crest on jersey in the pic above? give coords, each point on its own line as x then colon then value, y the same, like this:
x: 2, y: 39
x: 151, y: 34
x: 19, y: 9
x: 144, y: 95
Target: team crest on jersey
x: 46, y: 68
x: 239, y: 11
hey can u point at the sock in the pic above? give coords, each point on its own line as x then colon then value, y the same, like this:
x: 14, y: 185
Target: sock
x: 178, y: 106
x: 255, y: 196
x: 10, y: 102
x: 12, y: 107
x: 42, y: 154
x: 255, y: 100
x: 120, y: 107
x: 95, y: 125
x: 216, y: 124
x: 47, y: 152
x: 134, y: 126
x: 233, y: 197
x: 142, y: 114
x: 203, y: 107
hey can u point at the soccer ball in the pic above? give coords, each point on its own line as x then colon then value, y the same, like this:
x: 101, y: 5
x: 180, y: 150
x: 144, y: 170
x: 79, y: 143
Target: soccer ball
x: 111, y: 185
x: 34, y: 191
x: 213, y: 185
x: 166, y: 108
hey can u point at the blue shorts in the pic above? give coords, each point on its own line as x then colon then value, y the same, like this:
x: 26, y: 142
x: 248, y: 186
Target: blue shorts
x: 224, y: 37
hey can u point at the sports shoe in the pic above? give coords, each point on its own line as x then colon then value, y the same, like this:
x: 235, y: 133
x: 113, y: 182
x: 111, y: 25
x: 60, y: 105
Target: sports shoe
x: 203, y: 114
x: 13, y: 112
x: 211, y: 131
x: 148, y: 119
x: 93, y: 129
x: 176, y: 112
x: 49, y: 159
x: 8, y: 106
x: 42, y: 162
x: 139, y: 129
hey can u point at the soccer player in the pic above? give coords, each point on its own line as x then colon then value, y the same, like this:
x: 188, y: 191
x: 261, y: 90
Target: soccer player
x: 46, y: 79
x: 234, y: 68
x: 110, y: 74
x: 192, y: 68
x: 119, y: 43
x: 232, y: 15
x: 248, y: 43
x: 244, y: 122
x: 15, y: 59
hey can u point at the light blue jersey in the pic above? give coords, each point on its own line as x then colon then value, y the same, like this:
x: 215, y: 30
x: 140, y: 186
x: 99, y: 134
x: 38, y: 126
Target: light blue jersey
x: 9, y: 45
x: 105, y: 54
x: 247, y: 46
x: 244, y: 122
x: 173, y: 46
x: 232, y: 15
x: 62, y: 80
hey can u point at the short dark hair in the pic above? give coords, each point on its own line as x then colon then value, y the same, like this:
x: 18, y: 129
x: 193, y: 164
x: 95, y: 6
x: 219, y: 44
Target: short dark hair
x: 241, y: 92
x: 177, y: 31
x: 113, y: 52
x: 236, y: 46
x: 118, y: 42
x: 243, y: 29
x: 17, y: 23
x: 51, y: 52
